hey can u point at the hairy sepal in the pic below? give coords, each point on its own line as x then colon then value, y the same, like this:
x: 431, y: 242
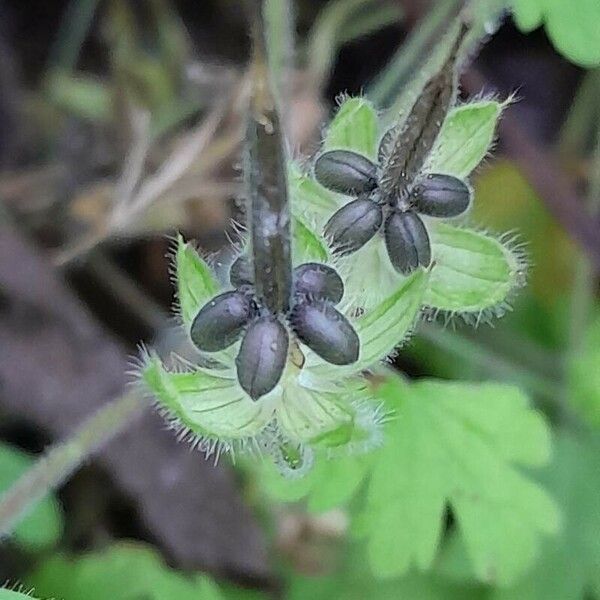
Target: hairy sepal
x: 465, y: 138
x: 474, y: 272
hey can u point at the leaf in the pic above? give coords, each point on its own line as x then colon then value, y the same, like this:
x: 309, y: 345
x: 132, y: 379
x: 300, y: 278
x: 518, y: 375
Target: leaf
x: 354, y: 127
x: 196, y: 283
x: 465, y: 138
x: 455, y: 444
x: 122, y: 572
x: 205, y: 404
x: 43, y: 526
x: 573, y: 27
x: 11, y: 595
x: 473, y: 271
x: 583, y: 372
x: 569, y: 563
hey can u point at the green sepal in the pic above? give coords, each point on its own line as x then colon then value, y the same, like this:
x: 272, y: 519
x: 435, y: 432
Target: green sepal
x: 472, y: 272
x: 196, y: 282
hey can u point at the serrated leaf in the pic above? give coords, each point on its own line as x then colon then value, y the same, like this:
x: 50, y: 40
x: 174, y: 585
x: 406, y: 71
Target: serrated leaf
x: 307, y: 246
x: 196, y: 283
x: 122, y: 572
x: 583, y: 372
x: 455, y: 443
x: 43, y: 526
x: 568, y: 566
x: 354, y: 127
x: 208, y: 405
x: 573, y: 27
x: 465, y: 138
x: 10, y: 595
x: 473, y: 271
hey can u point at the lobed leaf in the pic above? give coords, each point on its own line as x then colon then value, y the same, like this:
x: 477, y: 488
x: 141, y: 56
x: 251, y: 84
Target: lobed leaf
x: 473, y: 271
x: 458, y: 444
x: 354, y: 127
x: 196, y: 283
x: 465, y: 138
x: 43, y: 526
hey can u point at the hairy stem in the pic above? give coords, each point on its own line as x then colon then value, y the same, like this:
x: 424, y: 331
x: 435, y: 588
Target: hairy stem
x: 62, y: 459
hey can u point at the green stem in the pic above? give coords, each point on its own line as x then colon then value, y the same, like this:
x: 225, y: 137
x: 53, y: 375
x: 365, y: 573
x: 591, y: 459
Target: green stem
x: 61, y: 460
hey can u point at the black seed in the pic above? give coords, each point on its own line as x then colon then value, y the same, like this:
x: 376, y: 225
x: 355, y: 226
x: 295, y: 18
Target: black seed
x: 240, y: 272
x: 326, y: 332
x: 353, y: 225
x: 441, y: 196
x: 346, y: 172
x: 221, y: 321
x: 262, y: 356
x: 319, y: 281
x: 407, y: 242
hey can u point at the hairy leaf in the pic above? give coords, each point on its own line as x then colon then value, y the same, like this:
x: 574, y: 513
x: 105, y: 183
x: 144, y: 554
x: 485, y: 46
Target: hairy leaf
x: 306, y: 245
x: 43, y: 526
x: 465, y: 138
x: 473, y: 271
x: 458, y: 444
x: 196, y: 283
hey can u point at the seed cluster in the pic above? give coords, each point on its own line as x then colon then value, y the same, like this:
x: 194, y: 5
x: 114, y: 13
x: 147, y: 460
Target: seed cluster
x: 312, y: 317
x: 406, y: 237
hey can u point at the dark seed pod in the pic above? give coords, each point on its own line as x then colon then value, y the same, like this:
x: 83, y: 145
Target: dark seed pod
x: 407, y: 242
x: 262, y: 356
x: 441, y: 196
x: 346, y: 172
x: 221, y: 321
x: 319, y: 281
x: 353, y: 225
x: 240, y: 272
x: 326, y: 332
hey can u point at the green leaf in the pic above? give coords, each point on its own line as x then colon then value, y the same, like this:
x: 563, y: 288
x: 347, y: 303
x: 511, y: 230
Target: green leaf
x: 573, y: 27
x: 43, y: 526
x: 465, y: 139
x: 10, y: 595
x: 458, y: 444
x: 569, y: 563
x: 354, y: 127
x: 473, y: 271
x: 196, y: 283
x: 583, y: 371
x: 122, y: 572
x: 207, y: 405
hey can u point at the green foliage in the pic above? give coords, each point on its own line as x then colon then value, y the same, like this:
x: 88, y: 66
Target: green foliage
x: 573, y: 27
x: 584, y: 376
x: 43, y: 526
x: 12, y: 595
x: 122, y: 572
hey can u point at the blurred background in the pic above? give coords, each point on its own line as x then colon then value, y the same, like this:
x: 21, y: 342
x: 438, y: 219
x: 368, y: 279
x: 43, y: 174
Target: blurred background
x: 120, y: 124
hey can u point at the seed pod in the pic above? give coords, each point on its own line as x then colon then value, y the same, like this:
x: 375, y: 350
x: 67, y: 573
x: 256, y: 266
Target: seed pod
x: 407, y: 242
x: 346, y: 172
x: 353, y: 225
x: 326, y: 332
x: 262, y: 356
x: 221, y: 321
x: 240, y: 272
x: 319, y: 281
x: 441, y: 196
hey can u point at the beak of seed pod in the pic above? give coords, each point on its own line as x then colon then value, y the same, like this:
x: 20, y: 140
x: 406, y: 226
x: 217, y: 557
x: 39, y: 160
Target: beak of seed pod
x: 353, y: 225
x: 346, y: 172
x: 262, y: 356
x: 326, y: 332
x: 407, y: 242
x: 441, y: 196
x: 315, y: 280
x: 221, y: 321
